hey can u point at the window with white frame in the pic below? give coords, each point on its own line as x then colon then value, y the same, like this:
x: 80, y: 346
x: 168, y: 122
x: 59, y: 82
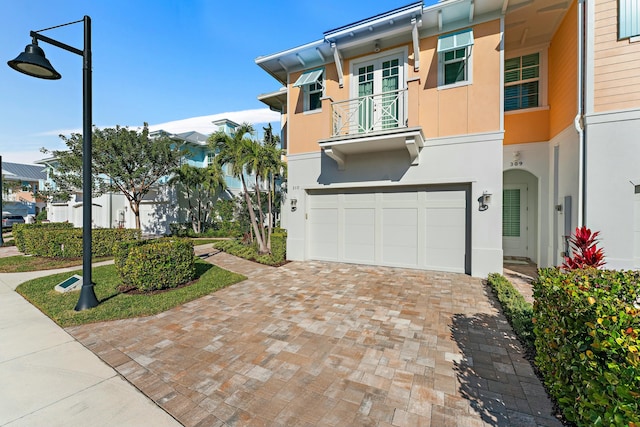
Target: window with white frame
x: 312, y: 84
x: 522, y: 82
x: 628, y: 19
x: 210, y: 158
x: 454, y: 58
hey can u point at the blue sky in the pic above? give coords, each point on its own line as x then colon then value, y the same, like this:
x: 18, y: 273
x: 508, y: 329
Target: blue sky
x: 153, y: 61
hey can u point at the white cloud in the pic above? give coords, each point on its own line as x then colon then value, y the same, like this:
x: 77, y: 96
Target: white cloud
x: 59, y: 132
x: 203, y: 124
x: 22, y: 157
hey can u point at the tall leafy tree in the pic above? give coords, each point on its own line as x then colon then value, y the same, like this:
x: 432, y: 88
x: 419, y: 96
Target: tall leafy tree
x: 201, y: 188
x: 123, y: 160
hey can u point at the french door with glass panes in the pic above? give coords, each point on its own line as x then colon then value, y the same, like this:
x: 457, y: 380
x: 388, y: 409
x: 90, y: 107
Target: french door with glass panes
x: 379, y: 101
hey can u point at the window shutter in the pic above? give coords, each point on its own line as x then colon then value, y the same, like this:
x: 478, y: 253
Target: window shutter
x: 455, y: 41
x: 308, y: 77
x: 511, y: 212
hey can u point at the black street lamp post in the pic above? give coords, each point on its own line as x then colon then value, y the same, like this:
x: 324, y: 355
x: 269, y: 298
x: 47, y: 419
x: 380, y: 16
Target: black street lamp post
x: 34, y: 63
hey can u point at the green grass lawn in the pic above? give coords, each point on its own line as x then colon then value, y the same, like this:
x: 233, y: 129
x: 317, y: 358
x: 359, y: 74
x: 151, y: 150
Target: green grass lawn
x: 22, y: 263
x: 114, y: 304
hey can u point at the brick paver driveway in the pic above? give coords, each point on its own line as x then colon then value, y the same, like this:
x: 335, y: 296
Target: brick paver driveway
x: 327, y: 344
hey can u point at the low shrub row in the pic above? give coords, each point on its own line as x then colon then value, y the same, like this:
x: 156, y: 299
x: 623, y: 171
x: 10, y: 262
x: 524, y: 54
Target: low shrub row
x: 185, y: 229
x: 17, y: 231
x: 587, y: 326
x: 250, y: 251
x: 149, y: 265
x: 517, y: 311
x: 66, y: 242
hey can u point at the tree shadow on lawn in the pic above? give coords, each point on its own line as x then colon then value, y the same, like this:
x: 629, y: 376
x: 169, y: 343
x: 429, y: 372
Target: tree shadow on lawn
x: 494, y: 375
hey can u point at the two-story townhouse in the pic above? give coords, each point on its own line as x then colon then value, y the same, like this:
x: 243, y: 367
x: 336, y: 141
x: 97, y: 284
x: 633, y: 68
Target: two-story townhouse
x: 19, y: 196
x: 572, y: 119
x: 449, y: 135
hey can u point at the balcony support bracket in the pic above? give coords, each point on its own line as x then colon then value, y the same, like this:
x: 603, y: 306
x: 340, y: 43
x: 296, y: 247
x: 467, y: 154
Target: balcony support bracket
x: 414, y: 145
x: 337, y: 156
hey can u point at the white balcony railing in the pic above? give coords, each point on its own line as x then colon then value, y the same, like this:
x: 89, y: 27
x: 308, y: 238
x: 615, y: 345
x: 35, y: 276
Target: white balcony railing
x: 369, y: 113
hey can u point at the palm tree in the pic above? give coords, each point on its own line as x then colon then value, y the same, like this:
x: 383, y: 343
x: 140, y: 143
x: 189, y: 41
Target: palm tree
x: 274, y: 167
x: 237, y: 151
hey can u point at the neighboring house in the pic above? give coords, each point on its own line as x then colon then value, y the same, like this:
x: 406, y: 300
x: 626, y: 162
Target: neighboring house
x: 449, y: 136
x: 22, y: 183
x: 161, y: 205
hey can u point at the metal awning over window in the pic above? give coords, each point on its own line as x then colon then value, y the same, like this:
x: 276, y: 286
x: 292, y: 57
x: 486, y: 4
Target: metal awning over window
x: 455, y: 40
x: 308, y: 77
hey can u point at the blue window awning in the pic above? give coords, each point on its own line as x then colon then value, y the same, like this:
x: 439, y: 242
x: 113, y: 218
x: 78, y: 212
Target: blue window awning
x: 308, y: 77
x: 455, y: 40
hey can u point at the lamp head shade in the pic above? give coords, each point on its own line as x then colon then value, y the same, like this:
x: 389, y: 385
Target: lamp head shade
x: 32, y: 62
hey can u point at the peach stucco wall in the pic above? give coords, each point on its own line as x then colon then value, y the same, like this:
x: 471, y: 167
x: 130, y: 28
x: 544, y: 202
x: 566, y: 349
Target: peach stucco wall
x: 306, y: 128
x: 616, y: 62
x: 473, y: 108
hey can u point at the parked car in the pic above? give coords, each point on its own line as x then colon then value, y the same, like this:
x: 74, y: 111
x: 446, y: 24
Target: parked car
x: 9, y: 220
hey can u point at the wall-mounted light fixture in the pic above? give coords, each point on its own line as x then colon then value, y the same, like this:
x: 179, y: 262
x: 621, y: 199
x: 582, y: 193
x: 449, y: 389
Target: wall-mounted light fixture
x: 484, y: 201
x: 294, y: 205
x: 376, y: 47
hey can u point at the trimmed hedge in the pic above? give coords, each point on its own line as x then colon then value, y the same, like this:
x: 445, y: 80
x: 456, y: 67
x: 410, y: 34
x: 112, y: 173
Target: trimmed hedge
x: 587, y: 324
x: 516, y: 309
x: 150, y: 265
x: 66, y: 242
x: 277, y: 257
x: 18, y: 229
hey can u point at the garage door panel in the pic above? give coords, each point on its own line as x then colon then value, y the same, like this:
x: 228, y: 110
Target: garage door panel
x: 445, y: 260
x: 400, y: 237
x: 324, y: 200
x: 368, y: 199
x: 359, y: 235
x: 417, y: 228
x: 324, y: 234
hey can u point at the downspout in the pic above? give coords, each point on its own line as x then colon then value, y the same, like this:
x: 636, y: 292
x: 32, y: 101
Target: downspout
x: 579, y: 121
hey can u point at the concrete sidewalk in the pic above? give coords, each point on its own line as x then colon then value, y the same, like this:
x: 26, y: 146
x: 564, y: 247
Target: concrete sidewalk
x: 48, y: 378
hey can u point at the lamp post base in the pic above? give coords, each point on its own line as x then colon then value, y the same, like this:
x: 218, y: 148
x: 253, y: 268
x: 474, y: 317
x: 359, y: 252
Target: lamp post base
x: 87, y: 298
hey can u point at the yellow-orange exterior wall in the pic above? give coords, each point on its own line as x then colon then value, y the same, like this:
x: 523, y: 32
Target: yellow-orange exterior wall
x: 532, y: 126
x: 473, y: 108
x: 616, y: 62
x: 541, y: 125
x: 563, y: 73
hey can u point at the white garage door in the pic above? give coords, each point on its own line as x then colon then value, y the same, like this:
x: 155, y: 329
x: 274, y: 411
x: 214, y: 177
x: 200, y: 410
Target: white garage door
x: 416, y: 228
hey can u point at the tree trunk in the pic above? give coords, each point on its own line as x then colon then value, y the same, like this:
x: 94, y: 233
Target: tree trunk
x: 259, y: 200
x: 252, y: 216
x: 270, y: 201
x: 135, y: 207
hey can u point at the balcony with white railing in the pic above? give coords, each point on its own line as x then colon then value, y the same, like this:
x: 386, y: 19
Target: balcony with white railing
x: 369, y: 113
x: 372, y: 123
